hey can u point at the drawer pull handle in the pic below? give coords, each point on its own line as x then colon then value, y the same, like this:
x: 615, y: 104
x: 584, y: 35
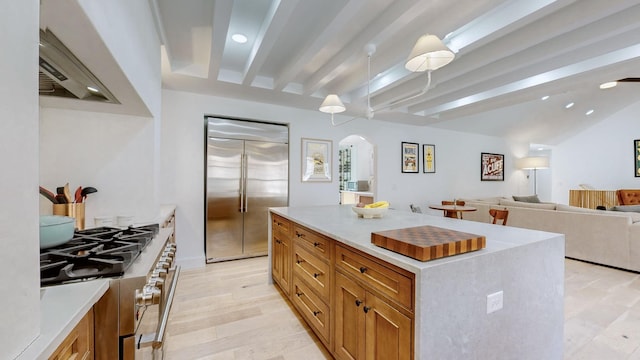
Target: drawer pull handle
x: 315, y: 313
x: 366, y: 309
x: 299, y: 261
x: 278, y: 241
x: 316, y: 244
x: 358, y: 302
x: 315, y: 275
x: 298, y: 294
x: 299, y: 235
x: 363, y: 269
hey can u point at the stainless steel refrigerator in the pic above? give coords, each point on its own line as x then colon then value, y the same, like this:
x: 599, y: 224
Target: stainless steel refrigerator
x: 247, y: 172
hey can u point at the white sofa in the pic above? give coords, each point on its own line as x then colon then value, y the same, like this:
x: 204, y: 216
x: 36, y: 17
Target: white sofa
x: 604, y: 237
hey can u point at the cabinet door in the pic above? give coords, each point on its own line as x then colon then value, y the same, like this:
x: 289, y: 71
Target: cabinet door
x: 388, y: 332
x: 281, y: 261
x: 349, y: 336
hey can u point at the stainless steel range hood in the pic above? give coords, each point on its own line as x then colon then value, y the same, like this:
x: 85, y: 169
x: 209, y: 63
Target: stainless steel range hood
x: 63, y: 75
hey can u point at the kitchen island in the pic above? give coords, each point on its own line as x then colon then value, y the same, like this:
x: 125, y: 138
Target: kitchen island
x: 503, y: 301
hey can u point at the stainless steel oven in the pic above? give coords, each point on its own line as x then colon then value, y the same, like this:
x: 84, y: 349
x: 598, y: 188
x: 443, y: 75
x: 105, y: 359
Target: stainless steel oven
x: 132, y: 314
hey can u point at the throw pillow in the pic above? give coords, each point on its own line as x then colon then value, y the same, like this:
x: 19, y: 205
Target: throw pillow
x: 529, y: 199
x: 626, y: 208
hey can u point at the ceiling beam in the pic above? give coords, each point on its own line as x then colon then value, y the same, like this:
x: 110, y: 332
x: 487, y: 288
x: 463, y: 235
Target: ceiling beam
x: 314, y: 45
x: 222, y: 10
x: 272, y: 26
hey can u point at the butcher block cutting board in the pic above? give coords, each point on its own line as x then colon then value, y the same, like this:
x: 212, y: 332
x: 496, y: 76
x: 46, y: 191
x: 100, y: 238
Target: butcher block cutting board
x: 426, y: 243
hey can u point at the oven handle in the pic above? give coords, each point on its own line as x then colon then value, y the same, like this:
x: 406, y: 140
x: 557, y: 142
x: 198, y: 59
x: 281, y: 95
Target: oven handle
x: 157, y: 342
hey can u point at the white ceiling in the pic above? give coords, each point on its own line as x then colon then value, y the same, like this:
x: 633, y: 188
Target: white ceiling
x: 509, y: 54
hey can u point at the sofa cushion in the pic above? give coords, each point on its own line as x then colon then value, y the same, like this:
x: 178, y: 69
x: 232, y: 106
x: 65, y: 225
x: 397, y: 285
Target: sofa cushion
x: 488, y: 200
x: 528, y: 199
x: 626, y: 208
x: 563, y: 207
x: 541, y: 206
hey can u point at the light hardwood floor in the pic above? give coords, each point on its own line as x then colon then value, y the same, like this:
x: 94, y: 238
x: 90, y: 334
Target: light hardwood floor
x: 229, y: 311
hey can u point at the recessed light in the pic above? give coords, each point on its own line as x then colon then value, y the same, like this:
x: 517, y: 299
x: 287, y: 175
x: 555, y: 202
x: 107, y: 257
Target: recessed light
x: 589, y: 112
x: 569, y: 105
x: 92, y: 89
x: 608, y: 85
x: 544, y: 97
x: 239, y: 38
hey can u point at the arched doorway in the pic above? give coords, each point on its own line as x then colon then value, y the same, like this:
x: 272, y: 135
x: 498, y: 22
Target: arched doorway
x: 356, y: 170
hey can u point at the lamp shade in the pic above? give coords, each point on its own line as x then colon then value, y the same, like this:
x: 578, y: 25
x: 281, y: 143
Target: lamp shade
x: 533, y: 162
x: 332, y: 105
x: 429, y: 53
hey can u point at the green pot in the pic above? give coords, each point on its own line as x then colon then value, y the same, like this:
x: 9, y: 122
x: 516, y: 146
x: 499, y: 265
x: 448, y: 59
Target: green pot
x: 55, y: 230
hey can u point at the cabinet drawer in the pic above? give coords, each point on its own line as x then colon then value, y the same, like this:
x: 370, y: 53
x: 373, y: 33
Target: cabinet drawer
x: 316, y: 243
x: 312, y: 308
x: 379, y: 276
x: 278, y: 223
x: 312, y: 270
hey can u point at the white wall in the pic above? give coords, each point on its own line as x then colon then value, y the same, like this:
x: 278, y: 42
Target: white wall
x: 20, y: 310
x: 113, y: 153
x: 457, y: 161
x: 602, y: 156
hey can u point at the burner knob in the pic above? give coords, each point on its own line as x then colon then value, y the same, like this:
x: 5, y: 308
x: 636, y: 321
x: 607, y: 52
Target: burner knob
x: 170, y: 246
x: 157, y: 282
x: 149, y: 295
x: 163, y: 265
x: 166, y: 259
x: 161, y: 273
x: 169, y: 253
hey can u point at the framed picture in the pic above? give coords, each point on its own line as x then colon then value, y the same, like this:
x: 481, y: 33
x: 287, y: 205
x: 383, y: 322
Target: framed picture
x: 316, y: 160
x: 491, y: 167
x: 410, y: 157
x: 429, y: 156
x: 636, y: 147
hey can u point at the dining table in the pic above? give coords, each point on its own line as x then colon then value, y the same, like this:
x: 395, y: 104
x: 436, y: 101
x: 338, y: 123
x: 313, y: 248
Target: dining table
x: 453, y: 211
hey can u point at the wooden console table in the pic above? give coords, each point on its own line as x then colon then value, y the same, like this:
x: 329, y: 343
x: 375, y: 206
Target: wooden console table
x: 591, y: 198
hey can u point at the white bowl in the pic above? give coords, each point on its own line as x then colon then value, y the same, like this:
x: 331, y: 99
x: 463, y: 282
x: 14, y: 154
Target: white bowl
x: 370, y: 213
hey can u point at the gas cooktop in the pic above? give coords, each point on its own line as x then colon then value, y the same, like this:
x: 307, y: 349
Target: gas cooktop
x: 94, y: 253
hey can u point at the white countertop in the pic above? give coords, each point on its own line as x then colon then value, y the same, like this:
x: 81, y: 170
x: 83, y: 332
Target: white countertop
x: 61, y: 308
x: 342, y: 224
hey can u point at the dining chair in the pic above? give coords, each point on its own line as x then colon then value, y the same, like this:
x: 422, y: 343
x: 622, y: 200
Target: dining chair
x: 497, y: 214
x: 453, y: 214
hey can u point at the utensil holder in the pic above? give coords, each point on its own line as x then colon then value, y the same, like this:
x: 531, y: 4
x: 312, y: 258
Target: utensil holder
x: 75, y: 210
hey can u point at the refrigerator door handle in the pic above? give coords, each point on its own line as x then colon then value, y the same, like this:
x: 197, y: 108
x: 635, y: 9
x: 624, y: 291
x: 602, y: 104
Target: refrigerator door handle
x: 241, y: 189
x: 244, y: 184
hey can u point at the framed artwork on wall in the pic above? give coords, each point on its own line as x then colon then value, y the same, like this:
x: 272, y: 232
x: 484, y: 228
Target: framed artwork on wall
x: 316, y: 160
x: 491, y: 167
x: 410, y: 157
x: 636, y: 149
x: 429, y: 156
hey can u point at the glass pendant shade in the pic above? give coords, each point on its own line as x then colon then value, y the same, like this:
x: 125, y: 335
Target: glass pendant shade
x: 332, y: 105
x: 429, y: 53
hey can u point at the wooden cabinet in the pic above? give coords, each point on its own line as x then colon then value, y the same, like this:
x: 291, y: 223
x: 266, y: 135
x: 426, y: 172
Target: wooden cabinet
x: 312, y: 280
x: 360, y: 307
x: 281, y: 252
x: 373, y: 317
x: 78, y: 345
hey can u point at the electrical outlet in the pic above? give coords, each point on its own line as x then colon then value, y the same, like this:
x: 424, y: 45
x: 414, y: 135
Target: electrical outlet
x: 494, y: 302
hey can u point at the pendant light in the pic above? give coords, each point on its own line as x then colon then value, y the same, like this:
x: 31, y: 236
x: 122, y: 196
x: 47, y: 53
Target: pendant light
x: 428, y: 54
